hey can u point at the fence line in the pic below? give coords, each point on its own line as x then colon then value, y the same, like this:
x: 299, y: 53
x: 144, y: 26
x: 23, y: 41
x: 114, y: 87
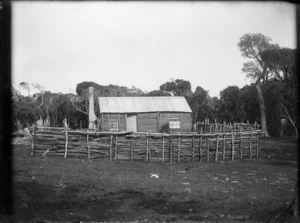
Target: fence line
x: 147, y: 147
x: 206, y: 127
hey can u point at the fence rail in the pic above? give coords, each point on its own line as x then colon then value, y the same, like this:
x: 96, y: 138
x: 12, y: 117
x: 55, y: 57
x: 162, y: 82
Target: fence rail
x: 146, y: 147
x: 206, y: 127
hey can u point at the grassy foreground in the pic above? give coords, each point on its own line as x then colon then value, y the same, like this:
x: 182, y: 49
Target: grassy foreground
x: 58, y: 189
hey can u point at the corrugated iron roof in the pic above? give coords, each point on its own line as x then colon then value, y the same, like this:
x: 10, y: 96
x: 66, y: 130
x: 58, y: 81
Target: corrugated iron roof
x: 143, y: 104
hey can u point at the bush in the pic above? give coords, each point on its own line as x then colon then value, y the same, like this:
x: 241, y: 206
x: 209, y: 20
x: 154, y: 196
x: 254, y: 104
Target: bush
x: 164, y: 128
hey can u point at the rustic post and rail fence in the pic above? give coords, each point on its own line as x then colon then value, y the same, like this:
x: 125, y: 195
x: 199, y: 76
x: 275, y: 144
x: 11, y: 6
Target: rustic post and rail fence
x: 208, y: 127
x: 148, y: 147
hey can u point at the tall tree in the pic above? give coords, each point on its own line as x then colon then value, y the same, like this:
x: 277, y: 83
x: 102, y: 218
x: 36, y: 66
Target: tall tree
x: 201, y: 104
x: 251, y: 47
x: 281, y: 63
x: 249, y: 103
x: 230, y: 106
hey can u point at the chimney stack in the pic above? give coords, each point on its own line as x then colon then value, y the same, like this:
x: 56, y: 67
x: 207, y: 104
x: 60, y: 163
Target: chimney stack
x: 92, y: 116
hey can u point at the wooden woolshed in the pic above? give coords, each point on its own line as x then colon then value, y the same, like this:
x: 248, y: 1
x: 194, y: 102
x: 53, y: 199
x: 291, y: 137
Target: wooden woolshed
x: 145, y: 114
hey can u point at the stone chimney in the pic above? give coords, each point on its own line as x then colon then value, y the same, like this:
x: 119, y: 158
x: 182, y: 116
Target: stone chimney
x: 92, y: 116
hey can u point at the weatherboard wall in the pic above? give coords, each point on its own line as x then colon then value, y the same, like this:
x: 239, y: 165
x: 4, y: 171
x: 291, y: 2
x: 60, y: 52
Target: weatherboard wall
x: 105, y: 120
x: 148, y: 121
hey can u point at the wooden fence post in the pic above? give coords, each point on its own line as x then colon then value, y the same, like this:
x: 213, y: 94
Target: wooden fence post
x: 171, y: 149
x: 250, y: 145
x: 32, y: 142
x: 131, y: 149
x: 193, y: 149
x: 116, y: 147
x: 200, y: 148
x: 163, y: 149
x: 208, y: 148
x: 216, y: 125
x: 147, y: 148
x: 241, y: 144
x: 178, y: 158
x: 232, y: 146
x: 257, y: 146
x: 87, y: 145
x: 110, y: 147
x: 217, y: 149
x: 66, y: 143
x: 224, y: 147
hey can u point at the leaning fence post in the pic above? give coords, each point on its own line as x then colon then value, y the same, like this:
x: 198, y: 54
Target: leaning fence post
x: 32, y: 142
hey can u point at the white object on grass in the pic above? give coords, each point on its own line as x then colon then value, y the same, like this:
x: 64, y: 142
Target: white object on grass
x: 154, y: 175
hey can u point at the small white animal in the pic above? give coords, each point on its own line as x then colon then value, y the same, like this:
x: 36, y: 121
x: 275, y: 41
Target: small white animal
x: 154, y: 175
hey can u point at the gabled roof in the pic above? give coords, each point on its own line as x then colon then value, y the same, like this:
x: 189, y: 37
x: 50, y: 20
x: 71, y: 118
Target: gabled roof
x: 143, y: 104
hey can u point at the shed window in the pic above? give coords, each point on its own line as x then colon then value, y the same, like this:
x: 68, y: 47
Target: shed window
x: 113, y: 125
x: 174, y: 124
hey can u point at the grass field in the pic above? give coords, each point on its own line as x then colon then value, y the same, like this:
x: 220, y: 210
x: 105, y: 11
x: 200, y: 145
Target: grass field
x: 58, y: 189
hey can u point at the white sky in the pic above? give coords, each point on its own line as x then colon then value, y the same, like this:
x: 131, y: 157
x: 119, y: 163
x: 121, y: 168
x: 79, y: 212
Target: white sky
x: 141, y: 44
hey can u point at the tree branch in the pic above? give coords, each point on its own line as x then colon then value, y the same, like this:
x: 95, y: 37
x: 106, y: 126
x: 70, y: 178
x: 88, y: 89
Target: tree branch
x: 78, y: 109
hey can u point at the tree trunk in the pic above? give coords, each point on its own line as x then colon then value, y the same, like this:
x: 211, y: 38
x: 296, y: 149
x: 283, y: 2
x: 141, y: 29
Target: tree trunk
x: 262, y: 110
x: 290, y: 119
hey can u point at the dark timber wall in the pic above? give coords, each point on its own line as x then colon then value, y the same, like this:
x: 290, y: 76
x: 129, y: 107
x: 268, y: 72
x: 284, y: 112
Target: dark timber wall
x: 185, y: 121
x: 106, y: 118
x: 148, y: 122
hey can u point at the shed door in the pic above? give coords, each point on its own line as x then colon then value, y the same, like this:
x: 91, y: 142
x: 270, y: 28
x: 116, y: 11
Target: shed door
x: 131, y: 125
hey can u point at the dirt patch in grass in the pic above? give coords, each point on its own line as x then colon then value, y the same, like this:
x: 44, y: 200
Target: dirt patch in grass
x: 249, y: 190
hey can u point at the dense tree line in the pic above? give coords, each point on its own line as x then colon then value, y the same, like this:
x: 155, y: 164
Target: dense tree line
x: 234, y: 105
x: 271, y: 97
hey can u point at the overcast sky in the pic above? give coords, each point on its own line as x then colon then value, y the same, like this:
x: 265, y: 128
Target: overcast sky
x: 141, y: 44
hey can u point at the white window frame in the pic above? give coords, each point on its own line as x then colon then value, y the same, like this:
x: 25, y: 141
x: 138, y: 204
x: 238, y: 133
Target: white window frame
x: 174, y: 123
